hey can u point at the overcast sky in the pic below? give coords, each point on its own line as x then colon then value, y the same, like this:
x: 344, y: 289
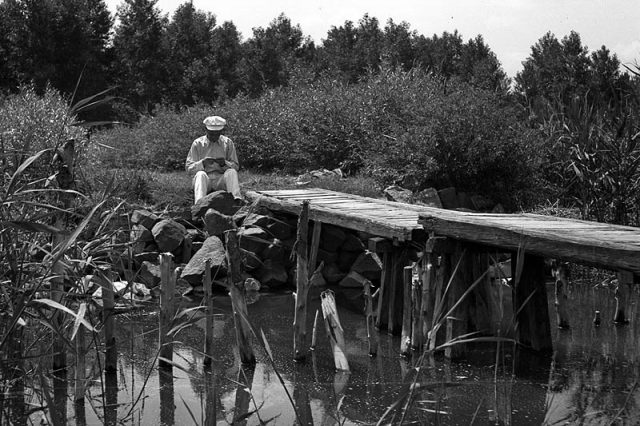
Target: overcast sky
x: 509, y: 27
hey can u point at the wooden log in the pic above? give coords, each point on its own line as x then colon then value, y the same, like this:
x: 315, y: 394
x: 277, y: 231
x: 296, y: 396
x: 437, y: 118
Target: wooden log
x: 304, y: 414
x: 334, y: 330
x: 458, y: 320
x: 407, y: 310
x: 428, y: 275
x: 315, y: 331
x: 441, y: 280
x: 382, y: 311
x: 302, y: 286
x: 187, y: 247
x: 209, y: 318
x: 396, y: 294
x: 561, y: 299
x: 238, y: 301
x: 167, y: 291
x: 533, y: 326
x: 416, y: 308
x: 243, y: 395
x: 80, y: 373
x: 315, y: 244
x: 622, y: 294
x: 211, y: 398
x: 167, y: 397
x: 108, y: 311
x: 368, y: 310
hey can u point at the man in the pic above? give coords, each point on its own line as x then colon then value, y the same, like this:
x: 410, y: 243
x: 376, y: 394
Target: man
x: 213, y: 161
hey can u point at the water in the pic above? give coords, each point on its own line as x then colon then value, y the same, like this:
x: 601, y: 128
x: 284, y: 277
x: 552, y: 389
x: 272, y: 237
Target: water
x: 591, y: 378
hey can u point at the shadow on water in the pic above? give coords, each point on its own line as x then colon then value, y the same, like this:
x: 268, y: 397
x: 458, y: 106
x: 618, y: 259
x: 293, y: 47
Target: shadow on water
x: 590, y: 379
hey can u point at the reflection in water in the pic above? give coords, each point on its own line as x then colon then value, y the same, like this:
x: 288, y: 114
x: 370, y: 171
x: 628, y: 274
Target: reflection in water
x: 590, y: 379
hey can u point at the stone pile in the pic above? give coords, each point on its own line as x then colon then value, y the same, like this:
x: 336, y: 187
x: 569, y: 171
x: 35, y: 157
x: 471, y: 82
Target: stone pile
x: 266, y: 241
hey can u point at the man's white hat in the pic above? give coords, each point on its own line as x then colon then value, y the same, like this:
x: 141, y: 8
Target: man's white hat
x: 215, y: 123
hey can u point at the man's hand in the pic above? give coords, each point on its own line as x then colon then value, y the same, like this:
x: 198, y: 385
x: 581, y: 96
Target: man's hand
x: 207, y: 163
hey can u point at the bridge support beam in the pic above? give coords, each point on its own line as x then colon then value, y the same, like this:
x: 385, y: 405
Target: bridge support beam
x: 623, y: 292
x: 530, y: 303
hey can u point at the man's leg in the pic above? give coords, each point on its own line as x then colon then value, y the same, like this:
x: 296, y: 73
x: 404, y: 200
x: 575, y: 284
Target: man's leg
x: 200, y: 184
x: 229, y: 182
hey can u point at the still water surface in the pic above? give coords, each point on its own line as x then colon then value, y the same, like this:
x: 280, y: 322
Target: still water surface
x: 591, y: 378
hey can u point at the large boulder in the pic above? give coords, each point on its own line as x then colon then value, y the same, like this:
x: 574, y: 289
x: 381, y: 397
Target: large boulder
x: 144, y: 218
x: 428, y: 197
x: 254, y: 240
x: 149, y: 274
x: 168, y: 234
x: 272, y: 274
x: 216, y: 223
x: 139, y: 237
x: 449, y: 198
x: 398, y: 194
x: 352, y: 243
x: 256, y: 221
x: 331, y: 238
x: 353, y: 280
x: 369, y: 265
x: 274, y: 251
x: 332, y: 274
x: 221, y: 201
x: 346, y: 259
x: 212, y: 250
x: 280, y: 229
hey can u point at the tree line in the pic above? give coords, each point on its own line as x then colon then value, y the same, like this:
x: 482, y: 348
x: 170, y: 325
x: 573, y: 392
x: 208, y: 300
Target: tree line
x: 191, y: 58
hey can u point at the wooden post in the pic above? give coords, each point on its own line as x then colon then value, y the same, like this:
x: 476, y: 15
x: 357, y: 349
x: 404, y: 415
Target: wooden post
x: 533, y: 327
x: 428, y: 275
x: 243, y: 395
x: 623, y: 291
x: 458, y: 321
x: 167, y: 290
x: 315, y: 245
x: 416, y: 306
x: 396, y: 293
x: 334, y: 330
x: 314, y: 333
x: 561, y: 303
x: 441, y: 278
x: 238, y: 301
x: 302, y: 286
x: 167, y: 398
x: 209, y: 320
x: 407, y: 310
x: 187, y: 246
x: 368, y: 300
x: 380, y: 245
x: 79, y: 382
x: 108, y: 307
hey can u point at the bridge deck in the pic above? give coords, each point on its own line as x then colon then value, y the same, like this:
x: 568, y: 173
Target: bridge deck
x: 609, y: 246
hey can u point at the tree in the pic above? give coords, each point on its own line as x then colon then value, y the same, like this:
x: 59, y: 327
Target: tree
x: 191, y: 63
x: 140, y: 55
x: 398, y: 45
x: 54, y: 41
x: 227, y: 52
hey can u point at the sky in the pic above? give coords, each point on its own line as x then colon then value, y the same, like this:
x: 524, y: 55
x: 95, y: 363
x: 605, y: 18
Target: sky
x: 509, y: 27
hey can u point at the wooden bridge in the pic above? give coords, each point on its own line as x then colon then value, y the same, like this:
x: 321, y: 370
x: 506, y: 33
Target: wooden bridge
x: 457, y: 247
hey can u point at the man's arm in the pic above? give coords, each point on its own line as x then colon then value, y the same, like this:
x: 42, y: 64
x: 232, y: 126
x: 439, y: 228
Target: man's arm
x: 231, y: 157
x: 194, y: 162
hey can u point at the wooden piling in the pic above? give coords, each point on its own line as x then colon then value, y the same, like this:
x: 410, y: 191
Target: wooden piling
x: 314, y: 332
x: 368, y: 310
x: 533, y: 326
x: 560, y: 292
x: 302, y: 286
x: 315, y: 246
x: 623, y: 292
x: 334, y: 330
x: 167, y: 290
x: 108, y: 310
x: 238, y: 301
x: 208, y: 328
x: 407, y: 310
x: 428, y: 275
x: 416, y: 308
x: 382, y: 246
x: 458, y: 320
x: 396, y: 293
x: 79, y: 382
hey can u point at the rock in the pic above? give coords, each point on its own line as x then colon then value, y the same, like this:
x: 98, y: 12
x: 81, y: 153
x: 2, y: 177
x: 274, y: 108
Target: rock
x: 144, y: 218
x: 168, y: 234
x: 352, y: 243
x: 353, y: 280
x: 272, y: 274
x: 139, y: 237
x: 147, y: 256
x: 213, y: 250
x: 196, y: 235
x: 250, y: 260
x: 498, y: 209
x: 279, y: 229
x: 256, y: 220
x: 331, y: 238
x: 346, y: 259
x: 368, y: 265
x: 327, y: 256
x: 428, y: 197
x: 464, y: 201
x: 449, y: 198
x: 254, y: 240
x: 274, y: 251
x: 332, y: 273
x: 216, y: 223
x: 149, y: 274
x: 398, y: 194
x: 251, y: 284
x: 221, y: 201
x: 481, y: 203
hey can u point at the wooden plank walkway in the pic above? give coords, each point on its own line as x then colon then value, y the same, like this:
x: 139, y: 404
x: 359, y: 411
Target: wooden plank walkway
x: 608, y: 246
